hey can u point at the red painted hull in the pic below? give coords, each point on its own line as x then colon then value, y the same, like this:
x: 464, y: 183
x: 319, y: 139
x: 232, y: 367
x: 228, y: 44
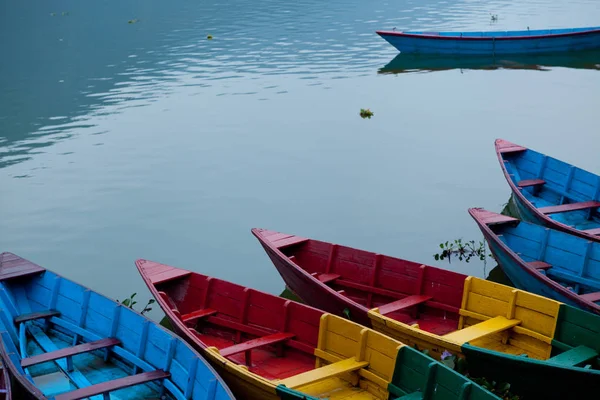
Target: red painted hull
x: 210, y: 312
x: 336, y: 278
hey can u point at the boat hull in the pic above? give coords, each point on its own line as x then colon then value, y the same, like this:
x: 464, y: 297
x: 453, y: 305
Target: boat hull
x: 523, y: 375
x: 417, y: 43
x: 302, y: 285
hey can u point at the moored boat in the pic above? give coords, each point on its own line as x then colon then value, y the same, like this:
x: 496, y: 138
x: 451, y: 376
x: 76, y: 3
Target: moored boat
x: 551, y: 192
x: 268, y: 347
x: 499, y: 42
x: 551, y: 263
x: 62, y: 341
x: 5, y: 383
x: 504, y: 333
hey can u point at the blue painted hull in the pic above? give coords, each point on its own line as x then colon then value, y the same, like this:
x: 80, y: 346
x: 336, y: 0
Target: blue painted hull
x: 495, y: 43
x: 569, y: 266
x: 559, y: 184
x: 50, y: 325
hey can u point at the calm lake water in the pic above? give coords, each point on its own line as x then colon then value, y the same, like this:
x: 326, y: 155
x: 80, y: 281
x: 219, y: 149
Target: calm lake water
x: 146, y: 140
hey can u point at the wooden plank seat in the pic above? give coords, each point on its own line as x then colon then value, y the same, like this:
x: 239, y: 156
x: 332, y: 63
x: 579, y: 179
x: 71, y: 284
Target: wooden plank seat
x: 539, y: 265
x: 593, y: 297
x: 407, y: 302
x: 319, y: 374
x: 249, y: 345
x: 594, y: 231
x: 327, y: 278
x: 482, y: 329
x: 69, y: 351
x: 196, y: 315
x: 115, y: 384
x: 585, y: 205
x: 574, y: 357
x: 530, y: 182
x: 36, y: 315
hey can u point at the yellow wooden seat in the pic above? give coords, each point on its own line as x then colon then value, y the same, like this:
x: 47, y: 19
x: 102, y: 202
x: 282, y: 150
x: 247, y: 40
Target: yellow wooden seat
x: 482, y: 329
x: 328, y: 371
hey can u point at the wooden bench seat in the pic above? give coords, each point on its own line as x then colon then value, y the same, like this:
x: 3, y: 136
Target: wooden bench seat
x: 196, y: 315
x: 116, y: 384
x: 593, y: 297
x: 530, y: 182
x: 248, y: 346
x: 482, y: 329
x: 327, y: 278
x: 585, y: 205
x: 574, y: 357
x: 407, y: 302
x: 36, y: 315
x: 328, y: 371
x: 594, y: 231
x: 539, y: 265
x: 69, y: 351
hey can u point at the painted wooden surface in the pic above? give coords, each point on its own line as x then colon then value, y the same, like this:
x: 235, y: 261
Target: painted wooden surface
x: 497, y: 320
x: 298, y: 351
x: 90, y: 346
x: 545, y: 261
x: 5, y: 382
x: 568, y: 198
x: 506, y: 42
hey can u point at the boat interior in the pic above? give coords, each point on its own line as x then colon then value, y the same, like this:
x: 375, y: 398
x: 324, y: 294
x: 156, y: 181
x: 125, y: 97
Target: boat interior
x: 561, y: 191
x: 571, y: 261
x: 72, y: 343
x: 527, y: 32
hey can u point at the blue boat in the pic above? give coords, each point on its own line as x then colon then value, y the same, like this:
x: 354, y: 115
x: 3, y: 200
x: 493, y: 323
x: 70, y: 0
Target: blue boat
x: 550, y: 192
x: 62, y: 341
x: 499, y: 42
x: 544, y: 261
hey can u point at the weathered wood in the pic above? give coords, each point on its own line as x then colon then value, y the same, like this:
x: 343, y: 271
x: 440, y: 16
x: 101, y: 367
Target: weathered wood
x: 482, y: 329
x: 69, y: 351
x: 319, y: 374
x: 594, y: 231
x: 593, y: 297
x: 504, y: 146
x: 199, y: 314
x: 530, y: 182
x: 584, y: 205
x: 13, y: 266
x: 115, y: 384
x: 255, y: 343
x: 326, y: 278
x: 574, y: 357
x: 407, y: 302
x: 36, y: 315
x: 539, y: 265
x: 491, y: 218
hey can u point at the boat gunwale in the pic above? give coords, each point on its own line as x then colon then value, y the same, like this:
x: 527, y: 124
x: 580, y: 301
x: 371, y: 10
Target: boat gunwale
x: 435, y: 35
x: 488, y: 232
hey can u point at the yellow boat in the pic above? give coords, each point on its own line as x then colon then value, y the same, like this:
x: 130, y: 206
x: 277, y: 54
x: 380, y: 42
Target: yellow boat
x: 267, y: 347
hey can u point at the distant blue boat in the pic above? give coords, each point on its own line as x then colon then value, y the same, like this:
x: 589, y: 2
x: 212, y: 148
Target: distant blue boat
x: 551, y: 192
x: 490, y: 43
x: 62, y: 341
x: 544, y: 261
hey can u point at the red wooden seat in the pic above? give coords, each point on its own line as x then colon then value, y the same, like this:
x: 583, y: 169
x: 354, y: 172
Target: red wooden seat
x: 113, y: 385
x: 569, y: 207
x: 196, y: 315
x: 593, y: 297
x: 326, y: 278
x: 530, y: 182
x: 539, y: 265
x: 404, y: 303
x: 69, y: 351
x: 248, y: 346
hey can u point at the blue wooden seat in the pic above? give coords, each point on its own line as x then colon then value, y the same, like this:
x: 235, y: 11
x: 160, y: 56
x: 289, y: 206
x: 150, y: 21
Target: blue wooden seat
x: 68, y: 352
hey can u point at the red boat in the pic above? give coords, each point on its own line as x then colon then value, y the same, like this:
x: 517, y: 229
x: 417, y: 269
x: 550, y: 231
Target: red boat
x: 346, y: 281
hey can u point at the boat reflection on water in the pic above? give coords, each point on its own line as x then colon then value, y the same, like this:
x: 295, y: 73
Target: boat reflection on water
x: 404, y: 63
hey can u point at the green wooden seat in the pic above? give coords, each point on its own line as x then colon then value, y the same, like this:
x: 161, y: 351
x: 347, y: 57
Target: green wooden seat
x: 575, y: 356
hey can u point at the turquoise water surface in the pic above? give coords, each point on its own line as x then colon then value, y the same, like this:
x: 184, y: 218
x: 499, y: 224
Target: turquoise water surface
x: 134, y: 140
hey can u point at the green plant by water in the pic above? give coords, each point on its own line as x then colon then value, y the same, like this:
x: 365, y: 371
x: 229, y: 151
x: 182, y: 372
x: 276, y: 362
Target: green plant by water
x: 465, y: 251
x: 130, y: 302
